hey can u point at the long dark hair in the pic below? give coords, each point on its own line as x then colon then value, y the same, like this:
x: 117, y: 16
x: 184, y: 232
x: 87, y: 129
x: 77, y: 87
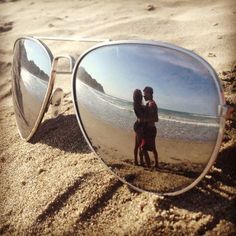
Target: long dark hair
x: 137, y: 97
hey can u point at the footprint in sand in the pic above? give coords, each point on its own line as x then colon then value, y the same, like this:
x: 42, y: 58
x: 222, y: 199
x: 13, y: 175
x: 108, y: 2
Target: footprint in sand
x: 211, y: 54
x: 6, y: 27
x: 150, y: 7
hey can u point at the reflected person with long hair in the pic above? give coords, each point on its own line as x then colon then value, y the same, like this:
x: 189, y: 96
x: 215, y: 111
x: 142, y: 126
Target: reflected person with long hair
x: 139, y: 128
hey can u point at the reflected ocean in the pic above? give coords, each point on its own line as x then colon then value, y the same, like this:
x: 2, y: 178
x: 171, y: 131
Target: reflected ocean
x: 172, y: 124
x: 35, y: 86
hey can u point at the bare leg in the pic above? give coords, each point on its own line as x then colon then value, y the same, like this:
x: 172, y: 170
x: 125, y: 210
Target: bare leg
x: 136, y: 155
x: 141, y: 157
x: 136, y: 151
x: 147, y: 159
x: 155, y: 157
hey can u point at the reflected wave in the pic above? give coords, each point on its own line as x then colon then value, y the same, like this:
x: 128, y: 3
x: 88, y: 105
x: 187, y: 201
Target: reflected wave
x: 172, y: 124
x: 33, y: 84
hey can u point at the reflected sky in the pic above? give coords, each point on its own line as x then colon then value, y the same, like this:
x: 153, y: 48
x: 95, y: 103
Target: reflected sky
x: 38, y: 55
x: 180, y: 81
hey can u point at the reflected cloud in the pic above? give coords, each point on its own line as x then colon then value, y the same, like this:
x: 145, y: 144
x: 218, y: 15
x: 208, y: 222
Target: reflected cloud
x: 164, y: 55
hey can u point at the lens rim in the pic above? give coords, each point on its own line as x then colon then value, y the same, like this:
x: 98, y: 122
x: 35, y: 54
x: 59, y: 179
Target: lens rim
x: 49, y: 87
x: 169, y: 46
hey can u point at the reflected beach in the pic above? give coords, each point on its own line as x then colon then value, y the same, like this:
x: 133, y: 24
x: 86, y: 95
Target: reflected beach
x: 183, y: 152
x: 187, y: 106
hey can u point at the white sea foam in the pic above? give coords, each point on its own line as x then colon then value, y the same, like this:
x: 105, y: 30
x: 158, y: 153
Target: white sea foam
x: 189, y: 122
x: 34, y: 85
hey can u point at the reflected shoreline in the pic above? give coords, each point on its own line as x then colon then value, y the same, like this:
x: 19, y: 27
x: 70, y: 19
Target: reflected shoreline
x: 164, y: 113
x: 171, y: 125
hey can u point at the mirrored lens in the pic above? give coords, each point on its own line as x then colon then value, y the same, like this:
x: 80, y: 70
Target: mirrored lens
x: 122, y: 90
x: 30, y: 77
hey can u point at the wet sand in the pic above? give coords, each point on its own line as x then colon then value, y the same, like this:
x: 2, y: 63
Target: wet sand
x: 181, y: 161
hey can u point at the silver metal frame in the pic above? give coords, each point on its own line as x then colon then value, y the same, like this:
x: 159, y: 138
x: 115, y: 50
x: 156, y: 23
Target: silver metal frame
x: 104, y: 43
x: 73, y: 39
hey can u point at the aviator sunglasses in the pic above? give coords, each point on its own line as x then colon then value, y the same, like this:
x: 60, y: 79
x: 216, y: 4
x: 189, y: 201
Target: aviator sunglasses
x: 154, y: 113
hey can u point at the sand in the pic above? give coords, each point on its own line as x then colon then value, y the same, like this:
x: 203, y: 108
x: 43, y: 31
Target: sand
x: 54, y: 185
x: 180, y: 161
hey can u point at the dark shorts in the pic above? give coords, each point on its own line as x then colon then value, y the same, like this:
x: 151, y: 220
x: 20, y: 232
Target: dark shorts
x: 148, y: 141
x: 138, y: 126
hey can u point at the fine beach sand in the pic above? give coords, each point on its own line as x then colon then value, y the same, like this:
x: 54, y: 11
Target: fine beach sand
x: 54, y: 185
x: 180, y: 161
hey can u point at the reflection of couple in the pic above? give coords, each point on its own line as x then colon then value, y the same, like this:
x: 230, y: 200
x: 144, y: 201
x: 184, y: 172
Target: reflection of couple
x: 144, y: 127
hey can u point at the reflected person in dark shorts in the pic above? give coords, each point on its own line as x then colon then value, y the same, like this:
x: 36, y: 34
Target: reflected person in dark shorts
x: 139, y: 126
x: 149, y: 135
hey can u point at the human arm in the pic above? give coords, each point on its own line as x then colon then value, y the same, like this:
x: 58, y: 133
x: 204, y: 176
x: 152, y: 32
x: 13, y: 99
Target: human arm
x: 152, y: 113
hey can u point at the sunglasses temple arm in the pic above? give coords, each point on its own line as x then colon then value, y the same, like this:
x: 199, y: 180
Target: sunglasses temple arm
x: 230, y: 112
x: 227, y: 111
x: 77, y: 39
x: 56, y: 98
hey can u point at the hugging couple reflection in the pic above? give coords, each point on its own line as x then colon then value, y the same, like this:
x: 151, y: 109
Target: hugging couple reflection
x: 144, y: 127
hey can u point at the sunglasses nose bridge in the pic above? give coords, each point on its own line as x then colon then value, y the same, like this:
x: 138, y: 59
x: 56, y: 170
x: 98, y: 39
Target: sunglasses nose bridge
x: 71, y: 61
x: 56, y: 98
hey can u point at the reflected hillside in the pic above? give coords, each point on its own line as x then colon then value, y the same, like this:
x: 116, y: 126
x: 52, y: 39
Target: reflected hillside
x: 85, y: 77
x: 31, y: 67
